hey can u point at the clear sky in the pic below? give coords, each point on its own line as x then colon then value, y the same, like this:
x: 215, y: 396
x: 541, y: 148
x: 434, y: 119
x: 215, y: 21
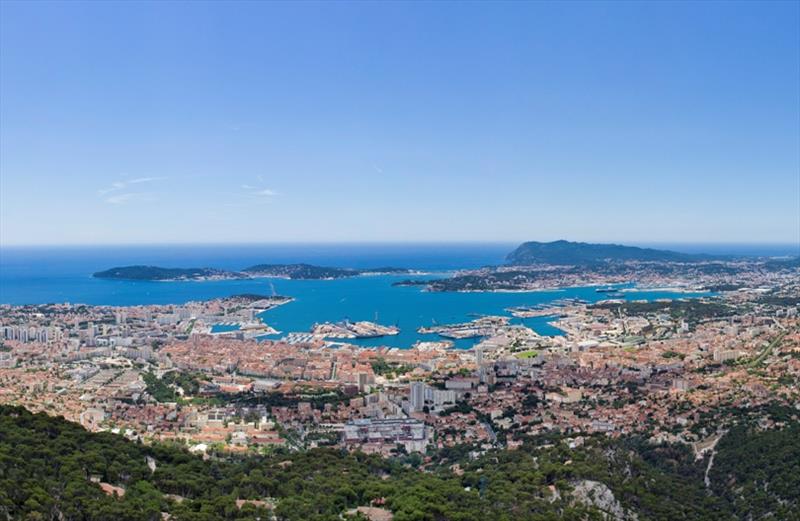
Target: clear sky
x: 257, y: 122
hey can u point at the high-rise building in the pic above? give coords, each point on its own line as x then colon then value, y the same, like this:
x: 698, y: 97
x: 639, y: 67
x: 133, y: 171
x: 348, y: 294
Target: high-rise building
x: 363, y: 379
x: 90, y: 334
x: 417, y: 396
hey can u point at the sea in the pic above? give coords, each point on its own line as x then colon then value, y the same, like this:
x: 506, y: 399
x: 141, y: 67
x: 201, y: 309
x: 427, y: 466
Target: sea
x: 37, y: 275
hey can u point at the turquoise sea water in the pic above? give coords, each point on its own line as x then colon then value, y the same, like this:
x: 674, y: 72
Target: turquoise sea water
x: 368, y: 298
x: 64, y: 275
x: 35, y: 275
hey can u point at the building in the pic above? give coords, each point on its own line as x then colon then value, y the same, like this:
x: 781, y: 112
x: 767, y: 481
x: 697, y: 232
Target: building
x: 363, y: 382
x: 725, y: 355
x: 92, y: 418
x: 412, y: 434
x: 421, y: 396
x: 417, y: 396
x: 7, y: 360
x: 461, y: 383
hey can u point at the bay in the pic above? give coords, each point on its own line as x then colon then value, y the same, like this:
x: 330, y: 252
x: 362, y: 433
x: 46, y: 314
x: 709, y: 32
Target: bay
x: 45, y: 275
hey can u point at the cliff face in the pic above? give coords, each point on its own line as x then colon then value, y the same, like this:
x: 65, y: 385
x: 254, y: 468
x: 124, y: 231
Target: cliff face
x: 581, y: 253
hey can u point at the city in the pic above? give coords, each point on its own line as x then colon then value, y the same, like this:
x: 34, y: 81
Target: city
x: 622, y: 367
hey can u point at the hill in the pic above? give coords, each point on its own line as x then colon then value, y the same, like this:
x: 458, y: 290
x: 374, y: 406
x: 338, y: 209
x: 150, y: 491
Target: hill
x: 783, y: 264
x: 53, y: 469
x: 581, y: 253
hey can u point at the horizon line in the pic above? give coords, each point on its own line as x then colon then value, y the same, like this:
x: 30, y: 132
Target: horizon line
x: 395, y: 242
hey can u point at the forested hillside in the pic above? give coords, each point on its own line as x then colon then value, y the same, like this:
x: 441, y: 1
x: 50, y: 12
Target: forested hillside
x: 53, y: 469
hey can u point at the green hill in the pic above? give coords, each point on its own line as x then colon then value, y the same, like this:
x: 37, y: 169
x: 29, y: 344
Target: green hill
x: 49, y: 468
x: 581, y: 253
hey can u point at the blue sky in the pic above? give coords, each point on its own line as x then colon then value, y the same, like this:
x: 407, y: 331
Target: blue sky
x: 258, y: 122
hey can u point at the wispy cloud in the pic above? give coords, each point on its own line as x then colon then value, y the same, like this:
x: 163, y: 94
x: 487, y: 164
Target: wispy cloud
x: 128, y: 197
x: 145, y: 180
x: 259, y: 191
x: 120, y: 185
x: 113, y: 188
x: 117, y: 193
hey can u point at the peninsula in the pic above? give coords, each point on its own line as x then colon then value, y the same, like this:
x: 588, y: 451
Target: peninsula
x: 156, y: 273
x: 288, y: 271
x: 535, y: 266
x: 308, y: 271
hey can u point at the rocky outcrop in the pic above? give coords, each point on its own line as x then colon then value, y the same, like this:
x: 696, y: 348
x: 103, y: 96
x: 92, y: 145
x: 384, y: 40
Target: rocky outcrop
x: 599, y: 496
